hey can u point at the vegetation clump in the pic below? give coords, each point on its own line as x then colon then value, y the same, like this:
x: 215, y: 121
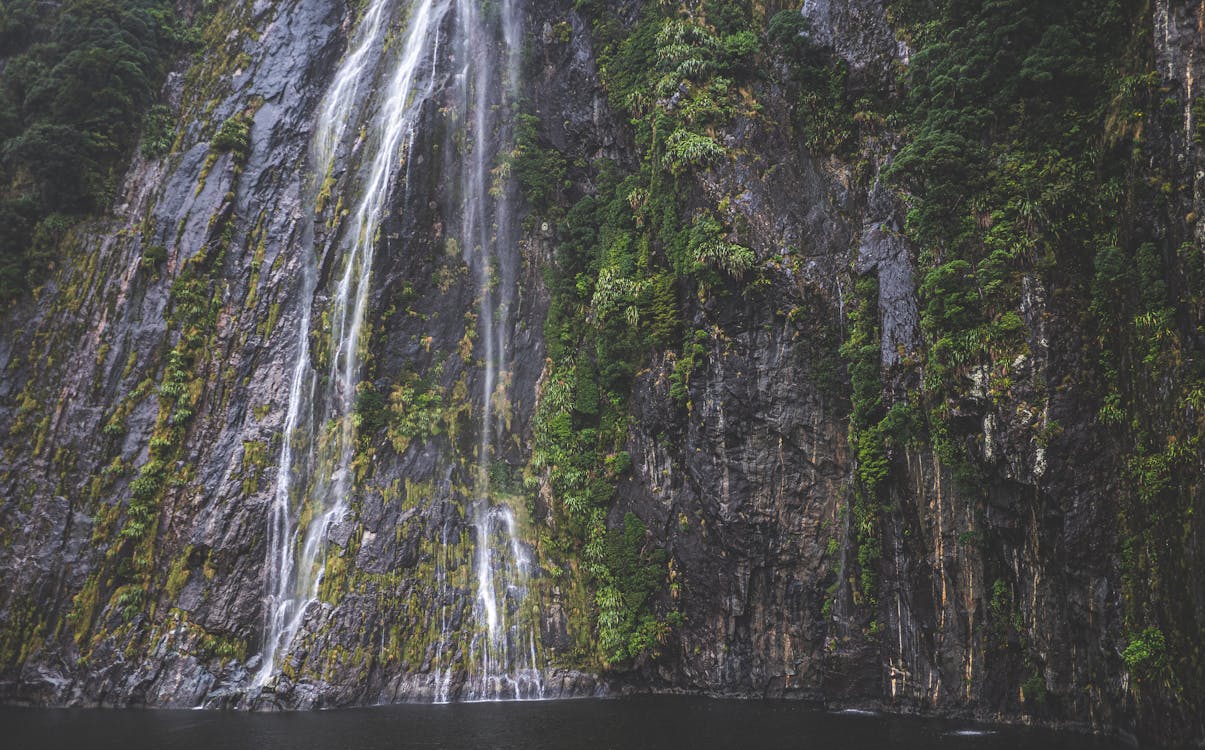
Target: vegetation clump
x: 75, y: 80
x: 1034, y: 134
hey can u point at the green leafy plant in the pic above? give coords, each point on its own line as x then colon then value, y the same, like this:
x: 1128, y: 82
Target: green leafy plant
x: 75, y: 81
x: 1146, y: 651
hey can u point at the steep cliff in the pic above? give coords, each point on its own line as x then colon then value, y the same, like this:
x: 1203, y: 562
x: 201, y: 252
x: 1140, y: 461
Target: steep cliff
x: 850, y: 354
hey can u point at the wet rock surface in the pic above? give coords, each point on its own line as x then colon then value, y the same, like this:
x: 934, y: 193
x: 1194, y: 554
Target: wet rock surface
x: 746, y: 488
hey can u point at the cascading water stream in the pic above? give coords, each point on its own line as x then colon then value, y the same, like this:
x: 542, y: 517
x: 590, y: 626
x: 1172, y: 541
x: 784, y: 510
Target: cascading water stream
x: 332, y: 123
x: 342, y: 100
x: 499, y: 657
x: 322, y: 480
x: 502, y: 663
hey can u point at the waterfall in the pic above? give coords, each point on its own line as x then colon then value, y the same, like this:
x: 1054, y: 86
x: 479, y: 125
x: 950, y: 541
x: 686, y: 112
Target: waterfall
x: 503, y: 662
x: 286, y: 601
x: 321, y: 481
x: 378, y: 94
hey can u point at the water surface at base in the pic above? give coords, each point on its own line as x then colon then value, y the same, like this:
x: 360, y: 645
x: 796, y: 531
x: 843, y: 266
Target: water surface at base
x: 638, y: 722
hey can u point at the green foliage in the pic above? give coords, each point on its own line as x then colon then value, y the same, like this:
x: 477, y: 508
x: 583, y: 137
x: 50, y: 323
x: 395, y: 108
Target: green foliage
x: 158, y: 131
x: 1005, y: 175
x: 542, y: 172
x: 952, y: 299
x: 1033, y: 688
x: 1036, y: 161
x: 232, y: 135
x: 709, y: 247
x: 861, y: 351
x: 223, y: 646
x: 630, y: 577
x: 630, y: 256
x: 693, y: 353
x: 787, y: 31
x: 368, y: 411
x: 144, y: 489
x: 195, y: 301
x: 684, y: 150
x: 75, y: 79
x: 999, y: 99
x: 1001, y: 600
x: 414, y: 413
x: 1152, y: 473
x: 874, y: 430
x: 1146, y: 651
x: 129, y: 601
x: 818, y: 83
x: 1198, y: 115
x: 153, y: 257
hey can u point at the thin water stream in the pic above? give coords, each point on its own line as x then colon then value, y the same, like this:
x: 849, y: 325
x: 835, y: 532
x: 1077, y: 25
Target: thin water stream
x: 501, y: 665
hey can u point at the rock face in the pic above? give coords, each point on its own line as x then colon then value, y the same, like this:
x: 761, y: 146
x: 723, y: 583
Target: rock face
x: 145, y: 400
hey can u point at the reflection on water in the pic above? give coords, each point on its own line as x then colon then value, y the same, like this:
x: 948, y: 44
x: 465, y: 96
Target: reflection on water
x: 637, y: 722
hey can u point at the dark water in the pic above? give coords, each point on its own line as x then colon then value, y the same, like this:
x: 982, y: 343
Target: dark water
x: 642, y: 722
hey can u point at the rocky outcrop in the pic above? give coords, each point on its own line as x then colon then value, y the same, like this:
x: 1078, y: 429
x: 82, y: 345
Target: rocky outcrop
x: 166, y: 341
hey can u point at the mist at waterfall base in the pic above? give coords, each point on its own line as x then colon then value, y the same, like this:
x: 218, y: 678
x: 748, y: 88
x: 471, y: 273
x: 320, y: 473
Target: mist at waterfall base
x: 633, y: 722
